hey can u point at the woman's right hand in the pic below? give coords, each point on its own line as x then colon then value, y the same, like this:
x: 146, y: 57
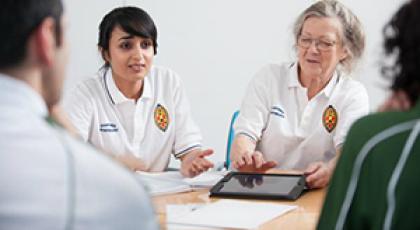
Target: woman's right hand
x: 244, y: 157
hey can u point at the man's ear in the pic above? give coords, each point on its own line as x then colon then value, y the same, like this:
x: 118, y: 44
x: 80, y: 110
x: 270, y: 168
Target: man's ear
x: 45, y: 41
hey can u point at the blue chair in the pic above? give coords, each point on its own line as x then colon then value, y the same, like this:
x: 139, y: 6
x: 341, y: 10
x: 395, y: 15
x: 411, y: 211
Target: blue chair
x: 231, y: 135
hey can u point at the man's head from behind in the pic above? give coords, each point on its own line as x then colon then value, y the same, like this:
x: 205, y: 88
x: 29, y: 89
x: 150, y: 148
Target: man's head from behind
x: 32, y: 45
x: 402, y: 45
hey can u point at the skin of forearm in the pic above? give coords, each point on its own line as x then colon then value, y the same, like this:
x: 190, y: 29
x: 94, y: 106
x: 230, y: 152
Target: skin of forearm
x: 243, y: 144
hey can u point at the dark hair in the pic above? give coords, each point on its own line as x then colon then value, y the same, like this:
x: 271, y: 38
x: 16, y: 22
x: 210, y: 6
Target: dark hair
x: 18, y: 19
x: 132, y: 20
x: 402, y: 44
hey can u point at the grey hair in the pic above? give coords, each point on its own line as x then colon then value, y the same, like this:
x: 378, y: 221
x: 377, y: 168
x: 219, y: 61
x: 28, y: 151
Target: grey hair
x: 352, y: 37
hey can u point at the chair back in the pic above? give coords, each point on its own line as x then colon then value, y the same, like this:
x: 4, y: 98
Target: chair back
x: 231, y: 136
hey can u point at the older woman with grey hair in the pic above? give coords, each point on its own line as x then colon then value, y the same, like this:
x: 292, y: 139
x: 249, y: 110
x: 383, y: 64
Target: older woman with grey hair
x: 295, y: 116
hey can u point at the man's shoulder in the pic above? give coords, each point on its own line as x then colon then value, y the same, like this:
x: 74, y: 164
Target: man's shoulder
x: 90, y: 84
x: 375, y: 123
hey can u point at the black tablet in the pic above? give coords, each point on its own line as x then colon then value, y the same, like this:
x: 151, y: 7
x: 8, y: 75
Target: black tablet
x: 259, y: 186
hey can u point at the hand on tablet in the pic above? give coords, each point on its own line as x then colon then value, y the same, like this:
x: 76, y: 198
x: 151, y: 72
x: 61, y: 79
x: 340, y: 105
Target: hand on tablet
x: 318, y: 174
x: 253, y: 168
x: 253, y: 163
x: 245, y: 159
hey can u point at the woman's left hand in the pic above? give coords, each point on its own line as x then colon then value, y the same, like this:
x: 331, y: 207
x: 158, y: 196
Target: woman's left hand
x: 318, y: 174
x: 194, y: 162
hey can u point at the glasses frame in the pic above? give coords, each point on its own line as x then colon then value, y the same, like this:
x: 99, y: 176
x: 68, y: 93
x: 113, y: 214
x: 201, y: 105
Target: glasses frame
x: 320, y: 44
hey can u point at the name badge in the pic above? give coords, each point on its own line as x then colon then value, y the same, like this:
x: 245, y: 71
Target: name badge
x: 108, y: 127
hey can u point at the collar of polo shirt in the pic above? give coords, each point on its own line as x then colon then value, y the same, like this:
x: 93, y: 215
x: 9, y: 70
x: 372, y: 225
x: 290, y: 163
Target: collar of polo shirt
x: 117, y: 97
x: 294, y: 81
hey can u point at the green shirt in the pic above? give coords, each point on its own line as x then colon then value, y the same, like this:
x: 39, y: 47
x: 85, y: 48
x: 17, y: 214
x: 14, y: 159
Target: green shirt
x: 368, y: 206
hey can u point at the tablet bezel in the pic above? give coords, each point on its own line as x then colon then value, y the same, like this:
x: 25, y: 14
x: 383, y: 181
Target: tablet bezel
x: 295, y: 192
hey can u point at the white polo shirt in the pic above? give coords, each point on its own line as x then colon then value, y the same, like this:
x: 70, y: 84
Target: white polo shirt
x: 292, y: 130
x: 159, y: 124
x: 47, y: 177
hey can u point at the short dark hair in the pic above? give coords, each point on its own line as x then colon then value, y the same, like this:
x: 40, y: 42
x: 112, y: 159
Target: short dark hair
x: 132, y: 20
x: 402, y: 45
x: 18, y: 19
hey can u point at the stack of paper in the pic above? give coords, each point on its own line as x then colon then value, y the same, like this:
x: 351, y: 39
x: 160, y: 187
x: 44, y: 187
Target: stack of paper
x: 174, y: 182
x: 226, y: 214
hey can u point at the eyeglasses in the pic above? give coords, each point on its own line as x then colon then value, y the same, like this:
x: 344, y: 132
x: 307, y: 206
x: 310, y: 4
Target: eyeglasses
x: 322, y: 45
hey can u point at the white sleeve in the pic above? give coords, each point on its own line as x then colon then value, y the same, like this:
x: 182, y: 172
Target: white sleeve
x: 187, y: 134
x: 357, y: 106
x: 255, y: 106
x: 79, y: 108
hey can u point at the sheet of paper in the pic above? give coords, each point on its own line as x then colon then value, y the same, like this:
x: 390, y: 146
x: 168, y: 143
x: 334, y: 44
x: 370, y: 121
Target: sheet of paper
x: 158, y: 185
x: 170, y: 175
x: 231, y: 214
x: 173, y: 182
x: 179, y: 210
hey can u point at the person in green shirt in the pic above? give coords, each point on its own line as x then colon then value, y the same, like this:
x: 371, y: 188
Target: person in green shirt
x: 375, y: 184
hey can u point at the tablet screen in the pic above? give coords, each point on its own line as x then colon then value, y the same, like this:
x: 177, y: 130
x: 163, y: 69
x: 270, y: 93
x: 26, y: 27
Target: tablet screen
x: 266, y: 184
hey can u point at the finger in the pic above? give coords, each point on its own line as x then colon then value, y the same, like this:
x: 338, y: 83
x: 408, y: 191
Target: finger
x: 318, y: 183
x: 206, y: 153
x: 316, y: 176
x: 236, y: 165
x: 204, y: 164
x: 311, y: 178
x: 197, y: 166
x: 258, y: 159
x: 309, y: 184
x: 240, y: 162
x: 268, y: 165
x: 312, y: 168
x: 192, y: 169
x: 191, y: 172
x: 247, y: 159
x: 207, y: 164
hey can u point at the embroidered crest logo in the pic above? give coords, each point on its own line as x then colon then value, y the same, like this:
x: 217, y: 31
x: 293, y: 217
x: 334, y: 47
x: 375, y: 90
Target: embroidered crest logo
x: 330, y: 118
x: 161, y: 117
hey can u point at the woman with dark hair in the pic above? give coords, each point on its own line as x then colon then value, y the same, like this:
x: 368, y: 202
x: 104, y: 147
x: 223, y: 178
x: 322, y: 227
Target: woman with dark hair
x: 375, y: 184
x: 132, y: 109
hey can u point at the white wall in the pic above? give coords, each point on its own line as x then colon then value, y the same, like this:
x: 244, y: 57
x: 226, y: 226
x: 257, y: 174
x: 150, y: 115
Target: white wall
x: 217, y: 45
